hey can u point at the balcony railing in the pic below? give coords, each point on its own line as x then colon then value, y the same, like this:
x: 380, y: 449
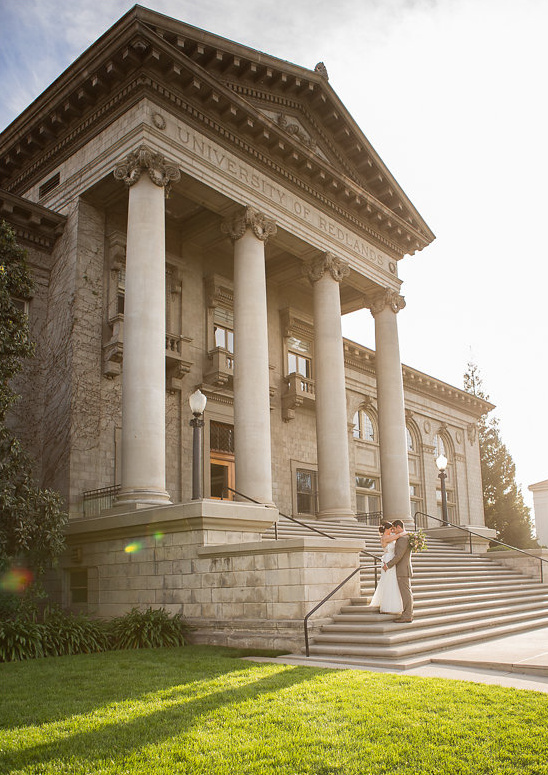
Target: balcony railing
x: 298, y: 391
x: 95, y: 501
x: 221, y: 369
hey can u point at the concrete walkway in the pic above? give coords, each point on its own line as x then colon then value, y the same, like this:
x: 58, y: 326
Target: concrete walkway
x: 519, y: 661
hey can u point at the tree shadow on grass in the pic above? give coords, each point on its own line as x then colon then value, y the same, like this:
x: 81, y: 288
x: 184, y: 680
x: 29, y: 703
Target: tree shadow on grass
x: 116, y: 740
x: 55, y: 688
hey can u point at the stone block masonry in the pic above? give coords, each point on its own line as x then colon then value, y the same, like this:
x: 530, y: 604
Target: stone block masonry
x: 206, y: 560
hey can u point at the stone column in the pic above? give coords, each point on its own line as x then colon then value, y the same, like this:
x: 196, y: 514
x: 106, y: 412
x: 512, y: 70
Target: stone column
x: 325, y: 274
x: 143, y: 379
x: 392, y: 436
x: 249, y: 231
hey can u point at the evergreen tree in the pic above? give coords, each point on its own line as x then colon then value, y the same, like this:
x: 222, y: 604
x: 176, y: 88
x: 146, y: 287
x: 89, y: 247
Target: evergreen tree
x: 31, y: 519
x: 504, y: 507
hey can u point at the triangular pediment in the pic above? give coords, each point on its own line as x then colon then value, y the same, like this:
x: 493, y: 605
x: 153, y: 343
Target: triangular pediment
x: 282, y: 112
x: 296, y: 127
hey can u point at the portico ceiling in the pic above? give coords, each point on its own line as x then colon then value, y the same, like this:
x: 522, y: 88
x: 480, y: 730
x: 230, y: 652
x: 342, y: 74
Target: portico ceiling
x: 194, y: 213
x: 287, y: 118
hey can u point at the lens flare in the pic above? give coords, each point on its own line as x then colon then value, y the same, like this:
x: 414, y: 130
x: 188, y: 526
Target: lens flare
x: 136, y: 546
x: 158, y: 536
x: 16, y: 580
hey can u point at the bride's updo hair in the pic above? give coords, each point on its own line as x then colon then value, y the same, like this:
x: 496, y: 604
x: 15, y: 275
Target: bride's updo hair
x: 384, y: 526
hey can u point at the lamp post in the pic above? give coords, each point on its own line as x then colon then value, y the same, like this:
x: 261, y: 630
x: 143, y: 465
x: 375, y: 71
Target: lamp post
x: 441, y: 463
x: 197, y: 403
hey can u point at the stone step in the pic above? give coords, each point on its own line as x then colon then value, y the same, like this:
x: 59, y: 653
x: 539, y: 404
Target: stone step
x: 448, y: 592
x: 423, y: 607
x: 431, y: 620
x: 426, y: 644
x: 459, y: 598
x: 465, y: 583
x: 455, y: 574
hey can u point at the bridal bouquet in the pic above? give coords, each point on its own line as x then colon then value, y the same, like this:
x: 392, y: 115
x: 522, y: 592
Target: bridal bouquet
x: 417, y: 541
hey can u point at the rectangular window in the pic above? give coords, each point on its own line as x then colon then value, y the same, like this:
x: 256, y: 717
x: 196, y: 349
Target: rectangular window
x: 223, y: 329
x: 221, y: 437
x: 299, y: 357
x: 368, y: 499
x: 20, y: 304
x: 307, y: 491
x: 415, y: 496
x: 451, y: 506
x: 79, y: 586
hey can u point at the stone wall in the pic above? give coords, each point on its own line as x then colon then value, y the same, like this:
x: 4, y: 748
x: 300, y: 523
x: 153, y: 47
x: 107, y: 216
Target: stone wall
x: 206, y: 560
x: 524, y: 563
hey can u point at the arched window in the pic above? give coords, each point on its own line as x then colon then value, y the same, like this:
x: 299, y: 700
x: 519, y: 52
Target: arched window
x: 443, y: 446
x: 364, y: 427
x: 415, y: 468
x: 440, y: 447
x: 410, y: 441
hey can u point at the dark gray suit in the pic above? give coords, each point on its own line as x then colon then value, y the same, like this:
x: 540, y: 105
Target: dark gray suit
x: 404, y: 572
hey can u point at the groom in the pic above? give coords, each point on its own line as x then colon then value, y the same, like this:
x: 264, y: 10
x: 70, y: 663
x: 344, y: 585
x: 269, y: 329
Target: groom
x: 404, y: 571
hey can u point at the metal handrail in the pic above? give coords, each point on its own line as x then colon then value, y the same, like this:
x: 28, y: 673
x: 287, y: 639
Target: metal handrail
x: 369, y: 517
x: 330, y: 595
x: 471, y: 533
x: 298, y: 521
x: 321, y: 532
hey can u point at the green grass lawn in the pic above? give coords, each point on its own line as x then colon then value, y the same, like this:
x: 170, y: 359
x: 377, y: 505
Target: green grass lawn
x: 202, y: 710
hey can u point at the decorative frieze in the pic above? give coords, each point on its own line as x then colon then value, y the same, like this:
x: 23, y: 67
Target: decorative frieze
x: 159, y: 171
x: 327, y: 262
x: 249, y: 218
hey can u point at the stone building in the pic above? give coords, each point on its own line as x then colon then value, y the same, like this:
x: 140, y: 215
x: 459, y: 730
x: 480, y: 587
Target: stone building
x: 198, y: 214
x: 540, y: 503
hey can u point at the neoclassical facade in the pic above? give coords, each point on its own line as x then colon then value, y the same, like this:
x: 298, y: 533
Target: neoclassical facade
x: 200, y: 215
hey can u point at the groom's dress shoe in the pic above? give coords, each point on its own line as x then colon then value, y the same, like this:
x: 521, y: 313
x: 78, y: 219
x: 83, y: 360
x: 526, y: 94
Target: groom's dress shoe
x: 400, y: 620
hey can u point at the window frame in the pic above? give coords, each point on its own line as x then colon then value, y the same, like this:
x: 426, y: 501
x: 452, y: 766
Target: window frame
x: 314, y: 496
x: 368, y: 492
x: 360, y: 426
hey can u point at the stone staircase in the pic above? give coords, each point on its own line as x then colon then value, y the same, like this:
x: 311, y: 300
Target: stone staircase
x: 459, y: 599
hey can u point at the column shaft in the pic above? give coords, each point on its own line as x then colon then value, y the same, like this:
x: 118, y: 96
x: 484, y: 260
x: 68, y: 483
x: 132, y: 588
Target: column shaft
x: 143, y: 380
x: 252, y: 445
x: 392, y: 434
x: 143, y: 377
x: 330, y: 389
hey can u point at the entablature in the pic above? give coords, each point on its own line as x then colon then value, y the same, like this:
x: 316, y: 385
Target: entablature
x: 34, y: 225
x: 361, y: 358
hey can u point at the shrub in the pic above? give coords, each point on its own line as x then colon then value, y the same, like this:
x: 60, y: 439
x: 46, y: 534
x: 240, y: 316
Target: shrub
x: 24, y: 635
x: 20, y: 638
x: 9, y: 605
x: 152, y: 628
x: 66, y: 633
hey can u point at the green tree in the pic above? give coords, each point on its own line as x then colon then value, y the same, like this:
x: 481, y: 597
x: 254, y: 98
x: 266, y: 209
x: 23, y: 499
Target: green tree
x: 504, y: 507
x: 31, y: 519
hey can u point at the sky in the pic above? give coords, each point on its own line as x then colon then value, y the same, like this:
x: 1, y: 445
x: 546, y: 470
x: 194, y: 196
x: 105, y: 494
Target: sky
x: 452, y: 96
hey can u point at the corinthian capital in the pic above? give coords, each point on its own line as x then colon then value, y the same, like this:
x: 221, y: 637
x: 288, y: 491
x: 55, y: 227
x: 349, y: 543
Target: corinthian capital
x: 387, y: 298
x: 249, y: 218
x: 328, y: 262
x: 159, y: 171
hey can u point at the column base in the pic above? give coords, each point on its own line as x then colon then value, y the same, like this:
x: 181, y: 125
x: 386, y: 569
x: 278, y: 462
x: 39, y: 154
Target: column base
x: 142, y: 499
x: 336, y: 515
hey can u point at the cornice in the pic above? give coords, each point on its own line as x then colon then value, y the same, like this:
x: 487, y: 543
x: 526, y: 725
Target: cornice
x: 362, y: 359
x: 124, y: 65
x: 34, y: 225
x: 256, y: 69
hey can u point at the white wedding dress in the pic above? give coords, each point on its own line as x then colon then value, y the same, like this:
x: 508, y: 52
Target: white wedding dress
x: 387, y: 595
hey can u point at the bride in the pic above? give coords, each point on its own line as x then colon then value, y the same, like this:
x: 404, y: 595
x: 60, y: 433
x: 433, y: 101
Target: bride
x: 387, y: 595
